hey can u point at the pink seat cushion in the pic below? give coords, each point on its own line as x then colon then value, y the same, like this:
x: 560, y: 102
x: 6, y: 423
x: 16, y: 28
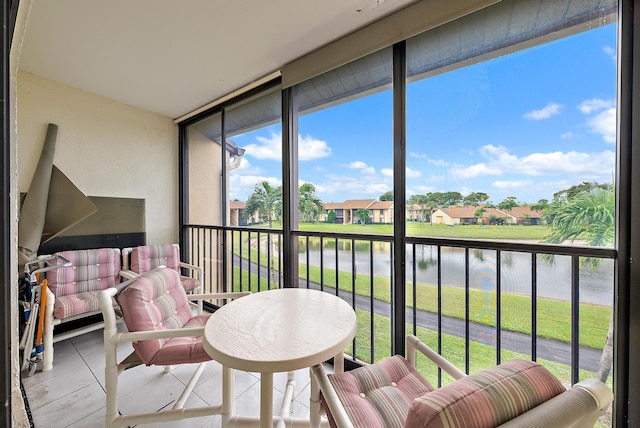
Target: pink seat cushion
x: 487, y: 398
x: 155, y: 300
x: 147, y: 257
x: 379, y: 395
x: 76, y: 304
x: 76, y: 286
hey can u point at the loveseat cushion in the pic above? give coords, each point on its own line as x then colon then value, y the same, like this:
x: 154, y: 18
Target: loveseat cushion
x: 378, y: 395
x: 90, y: 270
x: 75, y: 304
x: 487, y: 398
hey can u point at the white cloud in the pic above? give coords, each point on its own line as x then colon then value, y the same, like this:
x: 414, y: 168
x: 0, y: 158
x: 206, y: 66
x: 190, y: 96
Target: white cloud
x: 387, y: 172
x: 595, y: 104
x: 417, y: 155
x: 473, y: 171
x: 605, y: 124
x: 310, y: 148
x: 512, y: 184
x: 352, y: 187
x: 500, y: 161
x: 270, y: 148
x: 363, y: 167
x: 357, y: 165
x: 546, y: 112
x: 241, y: 186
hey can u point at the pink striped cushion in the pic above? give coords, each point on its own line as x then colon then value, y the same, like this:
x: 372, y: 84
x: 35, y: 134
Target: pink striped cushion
x: 179, y: 350
x: 487, y: 398
x: 76, y: 286
x: 90, y: 270
x: 75, y: 304
x: 147, y: 257
x: 155, y: 300
x: 379, y: 395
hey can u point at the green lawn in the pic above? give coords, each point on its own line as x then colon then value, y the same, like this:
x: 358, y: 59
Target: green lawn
x: 436, y: 230
x: 553, y: 319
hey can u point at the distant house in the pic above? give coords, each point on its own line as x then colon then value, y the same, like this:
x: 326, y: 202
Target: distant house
x: 467, y: 215
x: 525, y: 215
x: 379, y: 211
x: 418, y: 212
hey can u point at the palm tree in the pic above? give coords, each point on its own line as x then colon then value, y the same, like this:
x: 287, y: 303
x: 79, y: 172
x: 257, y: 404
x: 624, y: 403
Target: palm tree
x: 589, y: 216
x: 478, y: 214
x: 363, y: 215
x: 309, y: 204
x: 266, y: 200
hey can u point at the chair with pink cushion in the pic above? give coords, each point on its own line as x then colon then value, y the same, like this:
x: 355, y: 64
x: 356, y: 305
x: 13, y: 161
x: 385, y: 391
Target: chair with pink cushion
x: 518, y: 393
x: 163, y: 330
x: 147, y: 257
x: 72, y: 294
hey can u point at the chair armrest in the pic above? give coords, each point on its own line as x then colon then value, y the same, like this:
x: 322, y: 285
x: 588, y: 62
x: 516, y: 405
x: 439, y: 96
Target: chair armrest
x: 136, y: 336
x: 217, y: 296
x: 579, y: 406
x: 414, y: 344
x: 199, y: 271
x: 336, y: 408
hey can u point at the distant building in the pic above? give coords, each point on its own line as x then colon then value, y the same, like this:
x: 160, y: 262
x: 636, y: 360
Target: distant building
x: 379, y: 211
x: 455, y: 215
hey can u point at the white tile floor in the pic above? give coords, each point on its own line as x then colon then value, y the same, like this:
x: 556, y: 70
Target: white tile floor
x: 72, y: 394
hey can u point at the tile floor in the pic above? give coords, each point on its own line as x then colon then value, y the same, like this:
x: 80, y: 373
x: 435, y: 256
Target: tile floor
x: 72, y: 394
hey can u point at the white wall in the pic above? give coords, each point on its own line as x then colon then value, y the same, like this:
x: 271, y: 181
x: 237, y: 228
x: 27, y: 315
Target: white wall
x: 104, y: 147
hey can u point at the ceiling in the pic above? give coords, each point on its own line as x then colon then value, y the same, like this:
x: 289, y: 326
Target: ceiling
x: 171, y: 57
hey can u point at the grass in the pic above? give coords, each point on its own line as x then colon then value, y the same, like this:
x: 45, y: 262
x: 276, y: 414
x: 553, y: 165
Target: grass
x: 553, y: 316
x: 436, y: 230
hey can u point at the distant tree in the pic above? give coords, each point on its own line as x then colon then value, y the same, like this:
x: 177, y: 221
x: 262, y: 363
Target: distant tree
x: 475, y: 198
x: 568, y: 194
x: 309, y: 204
x: 508, y: 204
x: 452, y: 198
x: 540, y: 206
x: 421, y: 201
x: 331, y: 217
x: 387, y: 196
x: 266, y: 200
x: 478, y: 214
x: 436, y: 198
x: 363, y: 215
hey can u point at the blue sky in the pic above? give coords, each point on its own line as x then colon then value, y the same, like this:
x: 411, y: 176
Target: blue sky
x: 527, y: 124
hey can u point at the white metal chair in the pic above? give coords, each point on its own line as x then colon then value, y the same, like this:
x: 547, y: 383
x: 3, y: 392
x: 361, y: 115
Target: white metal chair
x: 163, y: 331
x: 518, y: 393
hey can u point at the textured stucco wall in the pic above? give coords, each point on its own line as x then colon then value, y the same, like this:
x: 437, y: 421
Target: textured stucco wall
x: 104, y: 147
x: 19, y: 418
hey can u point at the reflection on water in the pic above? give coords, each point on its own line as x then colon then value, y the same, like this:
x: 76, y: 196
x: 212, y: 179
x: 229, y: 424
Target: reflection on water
x: 553, y: 278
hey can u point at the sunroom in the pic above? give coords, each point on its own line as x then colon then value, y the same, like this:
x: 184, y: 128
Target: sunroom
x: 499, y: 106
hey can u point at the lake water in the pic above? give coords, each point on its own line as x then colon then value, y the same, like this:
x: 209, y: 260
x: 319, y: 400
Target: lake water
x: 553, y: 278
